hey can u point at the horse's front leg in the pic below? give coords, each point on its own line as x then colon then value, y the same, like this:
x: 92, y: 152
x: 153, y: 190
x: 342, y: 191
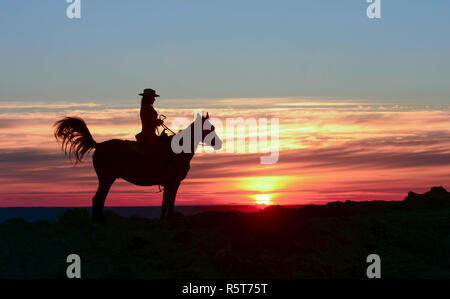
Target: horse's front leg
x: 165, y: 203
x: 172, y: 194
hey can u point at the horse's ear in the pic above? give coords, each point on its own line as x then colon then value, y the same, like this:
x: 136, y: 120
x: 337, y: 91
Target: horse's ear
x: 207, y: 115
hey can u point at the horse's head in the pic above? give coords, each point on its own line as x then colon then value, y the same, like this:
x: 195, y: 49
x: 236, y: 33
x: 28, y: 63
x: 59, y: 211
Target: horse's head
x: 209, y: 136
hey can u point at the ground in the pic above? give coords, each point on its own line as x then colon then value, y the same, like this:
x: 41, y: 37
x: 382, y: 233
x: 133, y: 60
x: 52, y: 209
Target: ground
x: 332, y: 241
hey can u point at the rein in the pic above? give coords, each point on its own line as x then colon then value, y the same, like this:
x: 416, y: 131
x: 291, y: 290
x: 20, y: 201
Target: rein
x: 163, y: 117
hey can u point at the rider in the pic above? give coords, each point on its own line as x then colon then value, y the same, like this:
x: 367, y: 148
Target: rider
x: 149, y: 117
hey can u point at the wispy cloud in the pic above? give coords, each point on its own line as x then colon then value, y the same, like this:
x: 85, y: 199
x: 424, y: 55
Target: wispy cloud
x: 329, y: 151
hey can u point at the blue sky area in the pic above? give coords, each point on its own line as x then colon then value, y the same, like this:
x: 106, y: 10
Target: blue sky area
x: 220, y: 49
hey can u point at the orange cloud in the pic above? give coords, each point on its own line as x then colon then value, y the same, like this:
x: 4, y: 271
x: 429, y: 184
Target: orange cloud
x: 328, y: 151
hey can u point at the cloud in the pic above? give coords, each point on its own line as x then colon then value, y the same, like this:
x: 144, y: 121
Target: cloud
x: 352, y: 149
x: 41, y: 105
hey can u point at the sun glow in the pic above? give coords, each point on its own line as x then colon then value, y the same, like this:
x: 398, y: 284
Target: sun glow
x: 264, y: 183
x: 262, y: 199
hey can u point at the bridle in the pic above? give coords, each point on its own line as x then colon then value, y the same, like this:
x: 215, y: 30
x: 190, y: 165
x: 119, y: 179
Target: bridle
x: 162, y: 117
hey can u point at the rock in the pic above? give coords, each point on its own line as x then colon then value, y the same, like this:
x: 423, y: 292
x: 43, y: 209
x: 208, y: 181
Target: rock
x: 436, y: 197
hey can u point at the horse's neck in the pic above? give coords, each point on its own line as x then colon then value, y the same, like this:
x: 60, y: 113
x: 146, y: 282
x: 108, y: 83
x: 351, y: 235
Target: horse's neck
x: 194, y: 143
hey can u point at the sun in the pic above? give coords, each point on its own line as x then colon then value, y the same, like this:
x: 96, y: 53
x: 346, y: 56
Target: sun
x: 262, y: 199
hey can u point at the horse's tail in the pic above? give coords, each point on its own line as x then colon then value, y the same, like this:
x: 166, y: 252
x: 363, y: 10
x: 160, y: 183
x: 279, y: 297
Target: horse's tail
x: 74, y: 136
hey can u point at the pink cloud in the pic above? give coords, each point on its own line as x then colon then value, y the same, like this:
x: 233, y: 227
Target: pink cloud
x: 329, y: 151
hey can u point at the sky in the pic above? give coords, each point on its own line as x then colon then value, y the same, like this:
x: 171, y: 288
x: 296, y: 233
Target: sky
x: 363, y: 104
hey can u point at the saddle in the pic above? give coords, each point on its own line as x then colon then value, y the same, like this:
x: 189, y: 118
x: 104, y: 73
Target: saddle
x: 160, y: 147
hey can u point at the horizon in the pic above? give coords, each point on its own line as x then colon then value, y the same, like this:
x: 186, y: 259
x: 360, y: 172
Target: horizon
x: 238, y: 205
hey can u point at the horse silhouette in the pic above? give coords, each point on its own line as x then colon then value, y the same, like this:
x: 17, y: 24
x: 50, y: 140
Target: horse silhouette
x: 135, y: 162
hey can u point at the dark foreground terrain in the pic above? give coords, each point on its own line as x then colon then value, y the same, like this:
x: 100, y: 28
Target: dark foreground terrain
x: 412, y: 238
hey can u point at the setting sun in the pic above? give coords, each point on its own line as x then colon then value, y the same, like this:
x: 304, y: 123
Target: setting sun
x: 262, y: 199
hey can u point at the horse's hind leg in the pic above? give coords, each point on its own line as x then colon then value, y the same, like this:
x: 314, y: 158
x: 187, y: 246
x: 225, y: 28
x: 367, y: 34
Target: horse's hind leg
x: 98, y: 201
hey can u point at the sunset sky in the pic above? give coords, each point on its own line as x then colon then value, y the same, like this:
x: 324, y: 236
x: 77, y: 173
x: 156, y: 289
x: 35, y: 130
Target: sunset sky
x: 363, y: 105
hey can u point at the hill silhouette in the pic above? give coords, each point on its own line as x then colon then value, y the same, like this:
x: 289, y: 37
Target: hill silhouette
x: 411, y: 236
x: 436, y: 197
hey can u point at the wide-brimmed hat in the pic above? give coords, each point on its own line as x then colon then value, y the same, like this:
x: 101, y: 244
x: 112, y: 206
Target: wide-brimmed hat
x: 149, y: 92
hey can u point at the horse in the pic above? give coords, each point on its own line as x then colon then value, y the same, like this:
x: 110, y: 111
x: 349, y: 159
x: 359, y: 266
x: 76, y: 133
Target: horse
x: 135, y: 162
